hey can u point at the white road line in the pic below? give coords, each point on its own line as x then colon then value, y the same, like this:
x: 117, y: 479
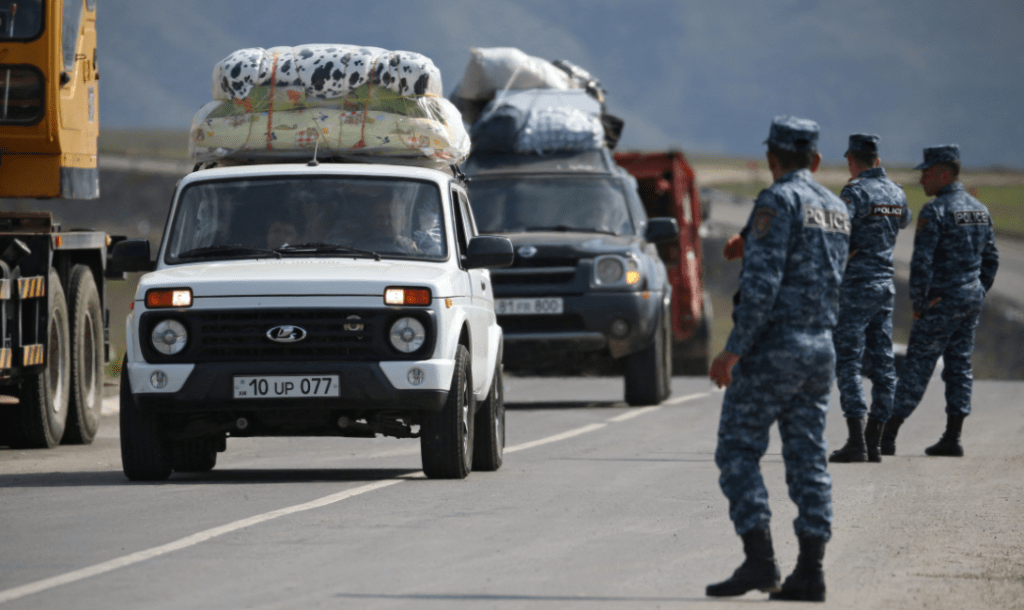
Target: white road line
x: 633, y: 413
x: 687, y: 398
x: 121, y: 562
x: 194, y: 539
x: 555, y: 438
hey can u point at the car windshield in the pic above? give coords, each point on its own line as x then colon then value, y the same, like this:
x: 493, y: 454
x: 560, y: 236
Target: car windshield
x: 561, y: 203
x: 293, y: 217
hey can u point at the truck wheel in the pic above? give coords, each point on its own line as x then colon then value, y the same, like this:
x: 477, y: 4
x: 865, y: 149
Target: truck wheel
x: 446, y: 439
x: 38, y: 421
x: 195, y: 455
x: 144, y: 452
x: 489, y: 427
x: 647, y: 372
x: 691, y: 356
x: 86, y: 358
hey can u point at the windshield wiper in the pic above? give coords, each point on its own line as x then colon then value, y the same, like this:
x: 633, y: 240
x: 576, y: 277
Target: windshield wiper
x: 322, y: 248
x: 237, y: 249
x: 567, y: 228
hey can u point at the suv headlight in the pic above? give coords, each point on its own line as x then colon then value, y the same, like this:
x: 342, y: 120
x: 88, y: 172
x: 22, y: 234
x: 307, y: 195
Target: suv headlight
x: 407, y: 335
x: 169, y: 337
x: 611, y: 270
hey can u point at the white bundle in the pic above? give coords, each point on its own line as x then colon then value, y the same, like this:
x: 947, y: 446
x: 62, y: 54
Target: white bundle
x: 325, y: 71
x: 492, y: 69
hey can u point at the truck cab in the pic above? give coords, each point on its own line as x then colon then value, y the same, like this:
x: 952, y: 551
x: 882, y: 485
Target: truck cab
x: 320, y: 299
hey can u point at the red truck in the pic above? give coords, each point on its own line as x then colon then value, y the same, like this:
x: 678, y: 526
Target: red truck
x: 668, y: 187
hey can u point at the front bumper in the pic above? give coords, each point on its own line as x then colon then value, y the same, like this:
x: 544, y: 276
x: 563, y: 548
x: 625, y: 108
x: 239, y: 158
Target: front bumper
x: 587, y: 323
x: 364, y: 386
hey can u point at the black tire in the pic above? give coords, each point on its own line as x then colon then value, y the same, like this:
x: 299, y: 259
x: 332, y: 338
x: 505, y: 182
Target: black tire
x: 446, y: 439
x: 489, y: 427
x: 649, y: 372
x: 691, y: 357
x: 39, y: 420
x: 145, y: 453
x: 86, y: 358
x: 195, y: 455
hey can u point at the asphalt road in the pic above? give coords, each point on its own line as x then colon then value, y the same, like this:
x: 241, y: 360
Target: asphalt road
x: 597, y: 506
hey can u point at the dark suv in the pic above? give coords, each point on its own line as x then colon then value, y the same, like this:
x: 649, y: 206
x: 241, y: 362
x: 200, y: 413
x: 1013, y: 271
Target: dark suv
x: 587, y: 276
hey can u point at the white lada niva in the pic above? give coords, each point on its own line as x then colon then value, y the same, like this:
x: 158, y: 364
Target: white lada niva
x: 330, y: 299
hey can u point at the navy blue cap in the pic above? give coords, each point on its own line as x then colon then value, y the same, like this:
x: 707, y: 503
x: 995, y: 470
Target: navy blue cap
x: 793, y: 134
x: 863, y: 143
x: 947, y: 153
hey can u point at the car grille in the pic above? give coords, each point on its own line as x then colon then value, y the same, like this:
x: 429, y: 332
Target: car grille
x: 533, y: 275
x: 241, y: 336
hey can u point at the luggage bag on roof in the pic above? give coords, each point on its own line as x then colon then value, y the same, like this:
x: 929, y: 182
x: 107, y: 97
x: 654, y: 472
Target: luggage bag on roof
x: 342, y: 100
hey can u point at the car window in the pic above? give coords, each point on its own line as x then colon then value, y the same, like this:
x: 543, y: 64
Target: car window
x: 394, y: 218
x: 559, y: 203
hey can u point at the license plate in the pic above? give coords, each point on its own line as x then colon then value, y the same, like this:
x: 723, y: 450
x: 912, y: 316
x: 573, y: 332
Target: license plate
x: 528, y: 307
x: 287, y: 386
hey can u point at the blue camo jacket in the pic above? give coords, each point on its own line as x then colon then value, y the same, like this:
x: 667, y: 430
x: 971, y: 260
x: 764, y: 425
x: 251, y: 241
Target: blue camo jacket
x: 794, y: 251
x: 954, y: 246
x: 878, y: 210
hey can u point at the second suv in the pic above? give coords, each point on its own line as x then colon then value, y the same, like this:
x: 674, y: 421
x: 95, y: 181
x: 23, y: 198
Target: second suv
x: 587, y: 276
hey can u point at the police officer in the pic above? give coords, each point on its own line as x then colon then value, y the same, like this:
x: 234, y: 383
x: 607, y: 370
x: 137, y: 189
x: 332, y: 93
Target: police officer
x: 781, y: 346
x: 878, y: 210
x: 953, y: 266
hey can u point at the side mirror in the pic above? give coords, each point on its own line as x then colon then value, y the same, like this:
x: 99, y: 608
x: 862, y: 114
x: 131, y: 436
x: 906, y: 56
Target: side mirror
x: 486, y: 251
x: 661, y: 230
x: 129, y: 256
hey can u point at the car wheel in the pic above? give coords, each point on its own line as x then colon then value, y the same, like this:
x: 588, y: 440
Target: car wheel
x: 194, y: 455
x: 86, y: 358
x: 446, y: 439
x: 646, y: 372
x: 489, y: 431
x: 145, y: 454
x: 39, y: 419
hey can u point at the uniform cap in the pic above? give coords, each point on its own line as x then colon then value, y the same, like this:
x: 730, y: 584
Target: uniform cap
x: 947, y: 153
x: 793, y: 134
x: 863, y: 143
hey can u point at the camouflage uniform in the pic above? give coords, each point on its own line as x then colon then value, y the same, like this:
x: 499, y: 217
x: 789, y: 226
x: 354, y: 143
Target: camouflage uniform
x: 955, y: 260
x: 796, y: 245
x: 878, y: 210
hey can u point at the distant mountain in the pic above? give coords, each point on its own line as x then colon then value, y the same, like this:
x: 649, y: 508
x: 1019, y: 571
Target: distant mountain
x: 702, y: 76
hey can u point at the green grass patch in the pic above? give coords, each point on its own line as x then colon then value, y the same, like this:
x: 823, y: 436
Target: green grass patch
x: 1005, y: 203
x: 145, y: 143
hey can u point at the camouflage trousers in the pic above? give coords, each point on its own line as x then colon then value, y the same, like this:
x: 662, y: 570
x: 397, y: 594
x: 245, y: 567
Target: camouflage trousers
x: 863, y: 336
x: 786, y: 377
x: 947, y: 329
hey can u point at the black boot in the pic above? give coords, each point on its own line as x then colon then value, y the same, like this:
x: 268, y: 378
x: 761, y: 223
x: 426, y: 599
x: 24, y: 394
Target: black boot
x: 854, y: 450
x: 949, y: 444
x: 873, y: 439
x: 807, y: 582
x: 892, y: 427
x: 759, y: 570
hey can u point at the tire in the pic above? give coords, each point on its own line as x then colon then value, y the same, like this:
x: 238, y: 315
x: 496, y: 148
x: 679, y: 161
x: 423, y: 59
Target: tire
x: 145, y: 454
x: 648, y: 372
x: 446, y: 439
x: 489, y: 427
x: 39, y: 420
x: 86, y: 358
x: 691, y: 357
x: 195, y: 455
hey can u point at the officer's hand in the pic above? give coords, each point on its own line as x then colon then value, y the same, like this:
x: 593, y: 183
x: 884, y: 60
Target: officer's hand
x: 721, y: 368
x: 733, y: 248
x: 917, y: 314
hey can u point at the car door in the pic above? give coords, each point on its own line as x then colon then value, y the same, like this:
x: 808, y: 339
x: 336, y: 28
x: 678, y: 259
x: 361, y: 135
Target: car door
x: 481, y: 311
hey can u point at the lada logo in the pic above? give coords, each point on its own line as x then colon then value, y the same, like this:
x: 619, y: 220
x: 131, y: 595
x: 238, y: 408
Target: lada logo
x: 286, y: 334
x: 527, y: 251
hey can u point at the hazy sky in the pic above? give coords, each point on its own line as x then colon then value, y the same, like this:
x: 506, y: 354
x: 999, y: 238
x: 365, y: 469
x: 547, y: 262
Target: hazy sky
x: 703, y: 76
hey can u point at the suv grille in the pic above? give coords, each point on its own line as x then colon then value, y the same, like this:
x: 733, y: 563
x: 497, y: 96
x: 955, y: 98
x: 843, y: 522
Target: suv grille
x: 241, y: 336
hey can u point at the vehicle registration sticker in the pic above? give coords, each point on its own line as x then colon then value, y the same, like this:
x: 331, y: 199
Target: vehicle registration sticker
x: 287, y: 386
x: 528, y: 307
